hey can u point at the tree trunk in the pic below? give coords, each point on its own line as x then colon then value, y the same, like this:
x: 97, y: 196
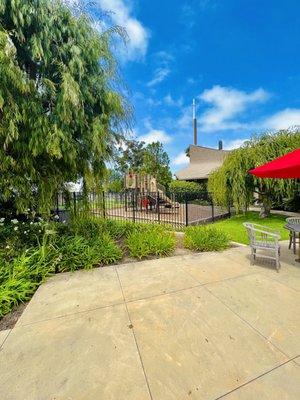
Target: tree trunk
x: 265, y: 208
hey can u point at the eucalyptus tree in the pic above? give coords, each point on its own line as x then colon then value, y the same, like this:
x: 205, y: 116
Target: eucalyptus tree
x: 232, y: 182
x: 61, y: 109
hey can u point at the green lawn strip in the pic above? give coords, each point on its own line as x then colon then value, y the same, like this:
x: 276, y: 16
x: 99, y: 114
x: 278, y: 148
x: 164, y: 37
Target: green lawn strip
x: 237, y: 233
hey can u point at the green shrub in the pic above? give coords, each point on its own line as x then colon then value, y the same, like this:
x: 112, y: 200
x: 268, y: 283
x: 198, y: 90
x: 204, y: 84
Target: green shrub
x: 20, y: 278
x: 18, y: 236
x: 150, y: 240
x: 180, y: 188
x: 108, y: 251
x: 205, y: 238
x: 92, y: 227
x: 78, y: 252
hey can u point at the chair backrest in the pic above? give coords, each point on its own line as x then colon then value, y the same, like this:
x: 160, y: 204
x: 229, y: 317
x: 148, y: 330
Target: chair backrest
x: 293, y: 220
x: 250, y: 230
x: 259, y: 233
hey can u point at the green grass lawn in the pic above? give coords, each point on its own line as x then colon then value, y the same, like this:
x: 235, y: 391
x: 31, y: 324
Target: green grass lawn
x: 236, y: 231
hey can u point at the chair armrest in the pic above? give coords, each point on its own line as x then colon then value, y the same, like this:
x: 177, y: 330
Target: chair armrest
x: 272, y: 234
x: 266, y: 230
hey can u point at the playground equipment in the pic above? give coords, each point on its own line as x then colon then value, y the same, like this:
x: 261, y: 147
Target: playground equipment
x: 149, y: 194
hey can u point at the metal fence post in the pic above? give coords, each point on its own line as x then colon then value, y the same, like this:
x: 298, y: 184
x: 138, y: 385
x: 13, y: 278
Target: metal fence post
x: 157, y: 207
x: 212, y: 210
x: 74, y: 203
x: 133, y: 194
x: 57, y: 204
x: 103, y: 204
x: 186, y: 209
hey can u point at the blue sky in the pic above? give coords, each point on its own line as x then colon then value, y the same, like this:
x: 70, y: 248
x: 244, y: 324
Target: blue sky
x: 239, y: 58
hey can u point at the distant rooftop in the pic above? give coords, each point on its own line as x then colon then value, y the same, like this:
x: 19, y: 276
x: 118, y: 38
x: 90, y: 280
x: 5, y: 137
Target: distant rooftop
x: 203, y: 160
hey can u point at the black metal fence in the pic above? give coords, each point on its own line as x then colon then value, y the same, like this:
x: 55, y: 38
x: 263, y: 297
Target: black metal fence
x: 176, y: 209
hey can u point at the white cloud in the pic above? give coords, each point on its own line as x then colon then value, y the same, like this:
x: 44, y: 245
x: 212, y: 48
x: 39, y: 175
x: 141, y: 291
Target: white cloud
x: 162, y: 60
x: 185, y: 120
x: 160, y: 74
x: 155, y: 135
x: 233, y: 144
x: 172, y: 102
x: 153, y: 102
x: 226, y: 104
x: 284, y: 119
x: 120, y: 13
x: 181, y: 159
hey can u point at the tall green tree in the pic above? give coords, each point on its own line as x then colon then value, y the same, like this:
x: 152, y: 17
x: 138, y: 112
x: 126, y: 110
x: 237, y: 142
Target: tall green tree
x: 232, y: 182
x: 149, y: 159
x: 156, y: 162
x: 130, y: 156
x: 60, y: 114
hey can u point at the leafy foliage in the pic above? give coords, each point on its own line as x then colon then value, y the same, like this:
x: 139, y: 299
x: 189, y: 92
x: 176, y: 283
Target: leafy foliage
x: 156, y: 162
x: 60, y: 114
x: 205, y: 238
x: 150, y: 241
x: 77, y: 252
x: 149, y: 159
x: 183, y: 189
x: 20, y: 277
x: 233, y: 183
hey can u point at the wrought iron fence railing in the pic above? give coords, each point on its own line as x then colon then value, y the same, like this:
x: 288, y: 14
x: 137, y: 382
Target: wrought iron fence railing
x: 173, y: 209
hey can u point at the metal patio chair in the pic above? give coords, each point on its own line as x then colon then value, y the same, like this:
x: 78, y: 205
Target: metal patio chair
x: 293, y: 237
x: 266, y: 239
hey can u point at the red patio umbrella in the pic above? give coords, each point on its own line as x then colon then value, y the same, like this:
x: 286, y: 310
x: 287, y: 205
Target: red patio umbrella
x: 287, y: 166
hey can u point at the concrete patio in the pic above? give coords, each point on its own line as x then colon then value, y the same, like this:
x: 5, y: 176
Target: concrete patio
x: 204, y: 326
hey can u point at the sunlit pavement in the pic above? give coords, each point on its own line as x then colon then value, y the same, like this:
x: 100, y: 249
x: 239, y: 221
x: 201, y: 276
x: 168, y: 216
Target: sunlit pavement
x: 203, y: 326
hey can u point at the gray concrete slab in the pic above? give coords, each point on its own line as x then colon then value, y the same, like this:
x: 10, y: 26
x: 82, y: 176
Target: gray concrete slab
x: 87, y: 356
x: 282, y: 383
x: 215, y: 268
x: 142, y: 280
x: 269, y: 306
x: 188, y: 338
x: 193, y: 347
x: 70, y: 293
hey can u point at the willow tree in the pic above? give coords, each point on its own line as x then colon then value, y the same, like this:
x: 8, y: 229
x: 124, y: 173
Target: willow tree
x: 60, y: 114
x: 232, y: 183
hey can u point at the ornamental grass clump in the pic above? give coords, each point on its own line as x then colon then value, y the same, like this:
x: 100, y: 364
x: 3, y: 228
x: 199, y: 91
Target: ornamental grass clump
x: 205, y: 238
x: 93, y: 227
x: 150, y: 241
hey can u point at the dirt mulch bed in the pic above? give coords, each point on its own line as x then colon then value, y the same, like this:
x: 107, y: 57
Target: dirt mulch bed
x: 10, y: 320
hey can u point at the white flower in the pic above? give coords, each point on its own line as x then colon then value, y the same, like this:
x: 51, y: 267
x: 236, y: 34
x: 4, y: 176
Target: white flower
x: 40, y: 231
x: 7, y: 247
x: 2, y: 219
x: 56, y: 216
x: 31, y: 223
x: 14, y: 221
x: 25, y: 232
x: 64, y: 221
x: 16, y: 228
